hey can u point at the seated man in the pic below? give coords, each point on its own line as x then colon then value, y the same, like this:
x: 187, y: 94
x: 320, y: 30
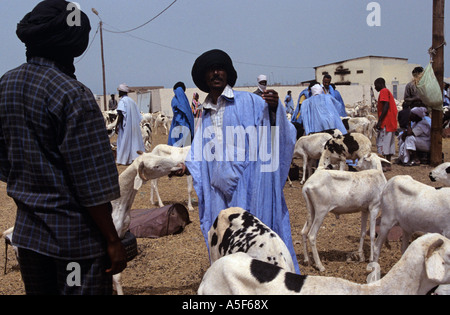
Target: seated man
x: 417, y: 137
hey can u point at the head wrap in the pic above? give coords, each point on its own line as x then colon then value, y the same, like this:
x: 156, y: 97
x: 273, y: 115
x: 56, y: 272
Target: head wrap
x: 46, y: 32
x: 179, y: 84
x: 262, y: 77
x: 123, y: 88
x: 209, y: 59
x: 419, y: 111
x: 316, y: 90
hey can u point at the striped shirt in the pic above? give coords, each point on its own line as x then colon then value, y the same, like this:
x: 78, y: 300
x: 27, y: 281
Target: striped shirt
x: 218, y: 110
x: 56, y: 159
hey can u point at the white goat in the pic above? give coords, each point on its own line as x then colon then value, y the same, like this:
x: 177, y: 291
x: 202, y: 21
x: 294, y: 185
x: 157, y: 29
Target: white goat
x: 341, y: 148
x: 144, y: 168
x: 178, y: 155
x: 415, y: 207
x: 342, y: 192
x: 441, y: 174
x: 163, y: 121
x: 310, y: 148
x: 425, y: 265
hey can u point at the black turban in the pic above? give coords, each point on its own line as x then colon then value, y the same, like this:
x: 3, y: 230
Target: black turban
x: 209, y: 59
x: 45, y: 31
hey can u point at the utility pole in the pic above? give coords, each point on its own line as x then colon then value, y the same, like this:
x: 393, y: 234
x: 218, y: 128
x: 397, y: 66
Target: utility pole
x: 103, y: 59
x: 438, y: 67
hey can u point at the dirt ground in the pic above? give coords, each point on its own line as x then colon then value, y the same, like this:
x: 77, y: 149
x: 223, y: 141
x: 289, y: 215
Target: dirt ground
x: 174, y: 265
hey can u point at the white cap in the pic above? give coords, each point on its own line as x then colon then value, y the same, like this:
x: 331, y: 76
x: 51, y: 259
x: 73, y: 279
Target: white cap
x: 262, y: 77
x: 124, y: 88
x: 316, y: 90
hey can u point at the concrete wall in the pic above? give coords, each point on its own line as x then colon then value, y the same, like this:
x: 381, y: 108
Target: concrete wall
x: 161, y: 99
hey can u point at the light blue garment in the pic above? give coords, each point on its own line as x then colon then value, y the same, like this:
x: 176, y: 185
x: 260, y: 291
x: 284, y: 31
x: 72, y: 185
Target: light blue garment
x: 289, y: 102
x: 245, y: 174
x: 182, y: 129
x: 307, y: 94
x: 129, y: 137
x: 338, y: 97
x: 319, y: 113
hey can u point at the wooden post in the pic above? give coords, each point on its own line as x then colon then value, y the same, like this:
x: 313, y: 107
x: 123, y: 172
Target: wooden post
x: 103, y: 66
x: 438, y: 67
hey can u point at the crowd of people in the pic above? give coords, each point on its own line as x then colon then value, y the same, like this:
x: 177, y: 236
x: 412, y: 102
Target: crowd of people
x: 49, y: 125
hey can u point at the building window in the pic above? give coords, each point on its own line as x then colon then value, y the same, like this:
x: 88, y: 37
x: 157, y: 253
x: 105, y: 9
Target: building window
x: 360, y: 71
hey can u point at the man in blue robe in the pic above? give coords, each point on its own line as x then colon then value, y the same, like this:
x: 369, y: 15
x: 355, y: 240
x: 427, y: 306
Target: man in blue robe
x: 182, y: 128
x: 289, y: 103
x: 329, y: 89
x: 320, y: 112
x: 242, y: 152
x: 305, y: 94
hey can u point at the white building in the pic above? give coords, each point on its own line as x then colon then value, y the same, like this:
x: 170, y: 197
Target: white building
x: 365, y: 70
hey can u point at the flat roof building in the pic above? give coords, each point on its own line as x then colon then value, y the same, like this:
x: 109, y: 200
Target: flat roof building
x: 365, y: 70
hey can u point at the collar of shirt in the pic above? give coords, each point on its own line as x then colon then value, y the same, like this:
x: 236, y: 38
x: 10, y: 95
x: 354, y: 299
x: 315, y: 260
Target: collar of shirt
x: 42, y: 62
x: 227, y: 94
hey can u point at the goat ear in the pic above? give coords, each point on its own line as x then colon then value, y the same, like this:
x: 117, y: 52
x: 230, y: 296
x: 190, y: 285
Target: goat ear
x: 434, y: 264
x: 138, y: 182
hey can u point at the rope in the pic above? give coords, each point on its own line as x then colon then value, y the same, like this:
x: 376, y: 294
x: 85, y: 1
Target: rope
x: 432, y: 51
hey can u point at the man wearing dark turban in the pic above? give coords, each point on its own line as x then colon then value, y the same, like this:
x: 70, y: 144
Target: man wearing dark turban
x: 242, y: 152
x: 57, y: 162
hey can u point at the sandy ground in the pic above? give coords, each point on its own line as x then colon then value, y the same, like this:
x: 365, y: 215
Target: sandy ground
x: 175, y: 265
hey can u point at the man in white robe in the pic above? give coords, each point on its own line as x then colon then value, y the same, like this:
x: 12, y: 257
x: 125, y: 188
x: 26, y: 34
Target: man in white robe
x: 129, y: 136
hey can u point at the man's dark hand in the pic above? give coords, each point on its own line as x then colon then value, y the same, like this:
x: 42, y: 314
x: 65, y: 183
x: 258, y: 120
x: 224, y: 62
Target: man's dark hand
x: 271, y: 97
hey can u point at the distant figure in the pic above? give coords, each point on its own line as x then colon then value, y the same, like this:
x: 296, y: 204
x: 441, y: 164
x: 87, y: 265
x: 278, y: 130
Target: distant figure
x: 196, y: 106
x: 411, y: 99
x: 320, y: 112
x: 262, y: 85
x: 417, y: 137
x: 112, y: 104
x: 330, y: 89
x: 305, y: 94
x: 446, y: 95
x: 182, y: 129
x: 289, y: 103
x: 129, y: 136
x: 387, y: 121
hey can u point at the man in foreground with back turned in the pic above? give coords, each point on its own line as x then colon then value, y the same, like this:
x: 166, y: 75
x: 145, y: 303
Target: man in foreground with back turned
x: 242, y: 152
x: 56, y: 159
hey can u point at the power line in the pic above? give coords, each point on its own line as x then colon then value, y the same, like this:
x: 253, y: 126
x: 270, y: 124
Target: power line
x: 90, y: 44
x: 151, y: 20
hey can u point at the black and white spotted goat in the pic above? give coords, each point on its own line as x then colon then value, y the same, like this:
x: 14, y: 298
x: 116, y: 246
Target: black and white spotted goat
x: 425, y: 265
x: 236, y: 230
x: 337, y: 150
x: 441, y: 174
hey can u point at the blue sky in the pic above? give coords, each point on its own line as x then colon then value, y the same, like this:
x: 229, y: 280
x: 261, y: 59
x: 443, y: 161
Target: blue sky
x: 284, y: 39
